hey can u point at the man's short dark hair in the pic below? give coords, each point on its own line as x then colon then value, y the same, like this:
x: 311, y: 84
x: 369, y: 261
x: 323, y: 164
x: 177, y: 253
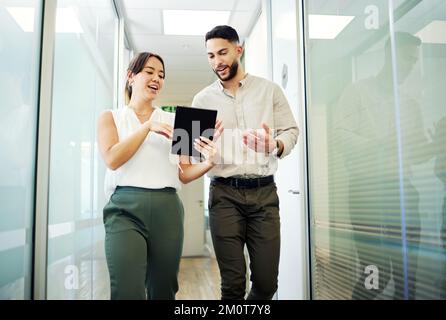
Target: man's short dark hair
x: 223, y: 32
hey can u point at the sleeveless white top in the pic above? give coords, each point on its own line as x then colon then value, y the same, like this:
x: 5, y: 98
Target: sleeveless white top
x: 152, y: 166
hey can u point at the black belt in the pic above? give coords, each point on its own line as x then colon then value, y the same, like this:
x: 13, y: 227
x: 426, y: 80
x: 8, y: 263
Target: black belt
x: 244, y: 183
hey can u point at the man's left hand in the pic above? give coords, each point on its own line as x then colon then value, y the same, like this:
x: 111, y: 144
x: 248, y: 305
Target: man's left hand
x: 260, y: 140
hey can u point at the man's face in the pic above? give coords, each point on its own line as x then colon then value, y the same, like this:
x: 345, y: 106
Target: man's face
x: 223, y: 57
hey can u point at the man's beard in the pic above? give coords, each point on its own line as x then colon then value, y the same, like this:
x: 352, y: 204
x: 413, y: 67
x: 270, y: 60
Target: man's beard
x: 232, y: 72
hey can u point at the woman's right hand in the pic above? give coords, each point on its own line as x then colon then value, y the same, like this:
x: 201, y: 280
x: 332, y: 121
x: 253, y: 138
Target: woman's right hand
x: 160, y: 128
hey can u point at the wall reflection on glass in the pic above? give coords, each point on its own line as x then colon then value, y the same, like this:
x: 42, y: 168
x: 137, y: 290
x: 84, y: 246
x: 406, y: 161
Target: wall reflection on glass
x: 377, y: 155
x: 19, y: 58
x: 83, y: 87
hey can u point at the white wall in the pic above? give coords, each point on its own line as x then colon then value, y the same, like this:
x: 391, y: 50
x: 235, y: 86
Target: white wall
x: 293, y: 256
x: 191, y: 195
x: 266, y: 58
x: 257, y: 53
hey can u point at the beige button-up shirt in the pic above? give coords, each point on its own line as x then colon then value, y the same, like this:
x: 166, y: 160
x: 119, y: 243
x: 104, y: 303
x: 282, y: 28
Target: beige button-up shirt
x: 257, y: 101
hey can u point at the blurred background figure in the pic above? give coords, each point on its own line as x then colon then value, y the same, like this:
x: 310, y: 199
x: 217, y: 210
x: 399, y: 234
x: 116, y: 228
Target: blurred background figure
x: 368, y: 130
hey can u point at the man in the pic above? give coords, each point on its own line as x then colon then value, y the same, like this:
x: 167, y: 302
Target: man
x: 243, y: 201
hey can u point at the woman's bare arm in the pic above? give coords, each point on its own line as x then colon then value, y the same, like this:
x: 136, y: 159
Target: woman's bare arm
x: 114, y: 152
x: 190, y: 172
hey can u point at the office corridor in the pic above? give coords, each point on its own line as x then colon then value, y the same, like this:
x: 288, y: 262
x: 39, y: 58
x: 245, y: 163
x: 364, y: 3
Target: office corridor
x: 362, y: 193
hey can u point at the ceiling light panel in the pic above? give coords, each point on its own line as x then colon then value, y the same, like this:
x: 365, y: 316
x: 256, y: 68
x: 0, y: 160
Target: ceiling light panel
x: 192, y: 22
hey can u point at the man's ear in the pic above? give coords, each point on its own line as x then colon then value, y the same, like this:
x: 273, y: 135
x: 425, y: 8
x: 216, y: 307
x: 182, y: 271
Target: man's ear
x: 239, y: 50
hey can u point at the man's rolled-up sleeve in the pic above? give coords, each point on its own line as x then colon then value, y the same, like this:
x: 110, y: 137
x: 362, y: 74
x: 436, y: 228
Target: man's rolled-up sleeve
x: 286, y: 129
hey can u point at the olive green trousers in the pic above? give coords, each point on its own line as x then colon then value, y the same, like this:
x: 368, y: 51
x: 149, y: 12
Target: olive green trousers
x: 143, y: 242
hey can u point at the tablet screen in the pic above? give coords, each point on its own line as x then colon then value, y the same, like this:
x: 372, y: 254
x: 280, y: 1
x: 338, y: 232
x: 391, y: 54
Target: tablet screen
x: 190, y: 124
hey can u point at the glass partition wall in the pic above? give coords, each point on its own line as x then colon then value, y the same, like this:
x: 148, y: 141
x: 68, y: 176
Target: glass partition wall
x: 376, y: 121
x: 83, y: 86
x: 20, y: 36
x: 84, y: 83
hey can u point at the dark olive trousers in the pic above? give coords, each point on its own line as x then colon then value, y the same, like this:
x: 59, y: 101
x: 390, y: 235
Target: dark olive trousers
x: 143, y: 242
x: 250, y: 217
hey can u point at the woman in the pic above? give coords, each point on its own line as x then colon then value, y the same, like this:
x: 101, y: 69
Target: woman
x: 144, y: 216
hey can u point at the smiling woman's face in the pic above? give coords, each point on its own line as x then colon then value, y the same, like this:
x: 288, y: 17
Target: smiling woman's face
x: 149, y: 82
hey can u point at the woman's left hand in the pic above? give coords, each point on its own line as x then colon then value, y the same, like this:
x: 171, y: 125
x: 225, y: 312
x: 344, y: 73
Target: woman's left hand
x: 207, y: 148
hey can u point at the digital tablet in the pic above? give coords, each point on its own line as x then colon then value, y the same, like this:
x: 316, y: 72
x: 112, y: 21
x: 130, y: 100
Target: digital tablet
x: 190, y: 124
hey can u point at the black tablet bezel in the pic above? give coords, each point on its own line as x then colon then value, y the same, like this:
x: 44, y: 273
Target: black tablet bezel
x: 184, y: 116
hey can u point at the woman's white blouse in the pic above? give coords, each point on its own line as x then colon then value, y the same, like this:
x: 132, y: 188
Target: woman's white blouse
x: 152, y: 166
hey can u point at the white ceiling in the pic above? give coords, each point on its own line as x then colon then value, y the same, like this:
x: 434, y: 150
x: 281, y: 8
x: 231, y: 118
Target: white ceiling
x: 187, y: 69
